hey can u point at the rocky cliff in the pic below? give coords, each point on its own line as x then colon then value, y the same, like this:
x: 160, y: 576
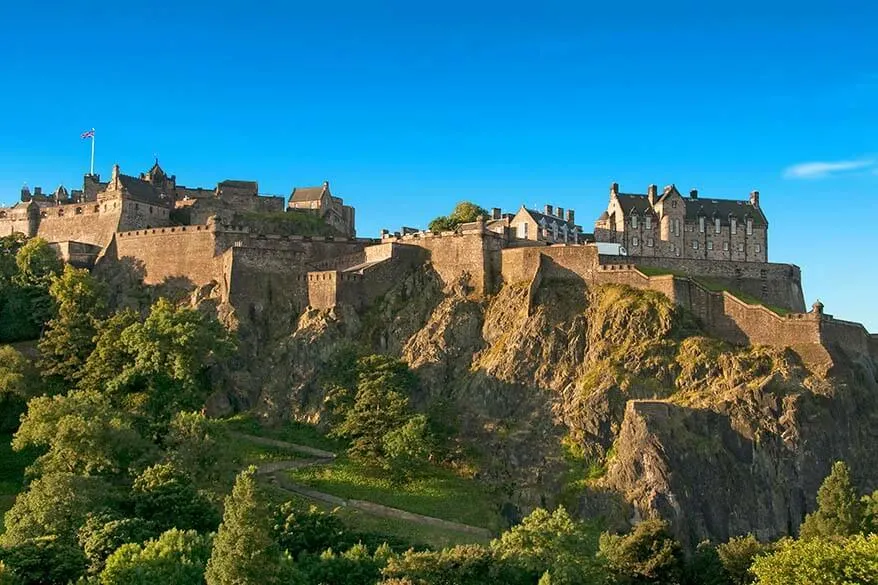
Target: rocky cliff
x: 608, y: 399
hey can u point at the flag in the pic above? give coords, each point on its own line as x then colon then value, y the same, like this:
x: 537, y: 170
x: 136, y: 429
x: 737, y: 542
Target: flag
x: 88, y: 134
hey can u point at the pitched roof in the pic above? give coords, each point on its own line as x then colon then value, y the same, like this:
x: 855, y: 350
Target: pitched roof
x: 540, y: 217
x: 141, y: 190
x: 308, y: 193
x: 630, y: 202
x: 724, y: 209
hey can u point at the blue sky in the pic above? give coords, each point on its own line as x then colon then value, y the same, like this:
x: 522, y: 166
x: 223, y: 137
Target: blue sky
x: 409, y: 107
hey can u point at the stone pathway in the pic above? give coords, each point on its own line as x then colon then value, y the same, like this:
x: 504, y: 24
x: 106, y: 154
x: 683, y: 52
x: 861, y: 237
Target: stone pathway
x: 273, y: 470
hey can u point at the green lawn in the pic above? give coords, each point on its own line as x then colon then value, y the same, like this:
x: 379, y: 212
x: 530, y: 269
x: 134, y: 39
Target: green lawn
x: 293, y: 432
x: 12, y: 466
x: 440, y: 493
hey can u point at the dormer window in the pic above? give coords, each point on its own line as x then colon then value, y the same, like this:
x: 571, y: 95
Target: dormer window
x: 749, y: 226
x: 734, y: 222
x: 634, y: 221
x: 716, y: 225
x: 647, y: 222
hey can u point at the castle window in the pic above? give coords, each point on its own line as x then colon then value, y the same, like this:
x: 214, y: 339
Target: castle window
x: 634, y: 221
x: 42, y: 214
x: 694, y: 244
x: 725, y: 246
x: 749, y: 226
x: 734, y: 222
x: 757, y: 248
x: 60, y: 212
x: 710, y: 245
x: 635, y: 241
x: 554, y: 231
x: 522, y: 231
x: 676, y: 224
x: 647, y: 222
x: 150, y: 209
x: 79, y: 211
x: 674, y: 204
x: 716, y: 226
x: 650, y: 242
x: 740, y: 247
x: 2, y: 214
x: 701, y: 224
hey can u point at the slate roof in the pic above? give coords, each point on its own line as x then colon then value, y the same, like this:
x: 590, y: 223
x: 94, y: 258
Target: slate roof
x: 723, y: 209
x: 307, y: 193
x: 141, y: 190
x: 539, y: 217
x: 630, y: 202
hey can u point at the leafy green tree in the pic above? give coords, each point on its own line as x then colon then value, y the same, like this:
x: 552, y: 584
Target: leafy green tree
x: 104, y: 533
x: 648, y: 554
x: 464, y: 212
x: 19, y: 382
x: 82, y: 433
x: 839, y: 510
x: 356, y: 566
x: 737, y: 556
x: 198, y: 445
x: 870, y: 513
x: 9, y: 247
x: 69, y: 337
x: 44, y: 560
x: 25, y: 304
x: 704, y: 567
x: 820, y: 561
x: 177, y: 557
x: 159, y: 366
x: 308, y: 531
x: 460, y: 565
x: 244, y: 550
x: 552, y: 542
x: 166, y: 495
x: 37, y: 263
x: 57, y: 504
x: 408, y: 448
x: 7, y: 577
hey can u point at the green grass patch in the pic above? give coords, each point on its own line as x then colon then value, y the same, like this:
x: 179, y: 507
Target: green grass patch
x: 289, y: 223
x: 291, y: 432
x: 439, y: 493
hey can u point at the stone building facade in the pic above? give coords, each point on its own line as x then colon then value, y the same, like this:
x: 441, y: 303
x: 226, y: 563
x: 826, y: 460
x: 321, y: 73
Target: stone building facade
x: 552, y: 225
x: 321, y: 201
x: 672, y: 226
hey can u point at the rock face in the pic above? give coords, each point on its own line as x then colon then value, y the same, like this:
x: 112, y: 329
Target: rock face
x: 720, y: 440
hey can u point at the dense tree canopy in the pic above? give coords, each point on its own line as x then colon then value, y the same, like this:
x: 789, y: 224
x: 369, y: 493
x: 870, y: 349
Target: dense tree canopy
x: 464, y: 212
x: 177, y: 557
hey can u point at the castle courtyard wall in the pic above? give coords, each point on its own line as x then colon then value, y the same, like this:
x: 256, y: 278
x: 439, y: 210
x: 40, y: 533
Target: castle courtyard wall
x: 182, y: 251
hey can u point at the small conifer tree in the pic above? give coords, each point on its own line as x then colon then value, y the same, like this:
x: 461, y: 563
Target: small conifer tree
x: 839, y: 511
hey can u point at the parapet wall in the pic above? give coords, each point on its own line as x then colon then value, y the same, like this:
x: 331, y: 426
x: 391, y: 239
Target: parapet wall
x: 779, y: 285
x: 184, y: 251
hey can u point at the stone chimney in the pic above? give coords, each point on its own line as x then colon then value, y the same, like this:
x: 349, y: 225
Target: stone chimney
x: 38, y: 191
x: 614, y: 189
x: 559, y: 212
x: 548, y: 209
x: 570, y: 216
x: 326, y: 184
x: 651, y: 193
x: 693, y: 194
x: 496, y: 213
x: 754, y: 199
x: 114, y: 178
x: 25, y: 193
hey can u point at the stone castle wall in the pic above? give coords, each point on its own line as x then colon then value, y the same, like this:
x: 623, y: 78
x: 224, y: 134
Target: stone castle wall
x: 183, y: 251
x: 776, y: 284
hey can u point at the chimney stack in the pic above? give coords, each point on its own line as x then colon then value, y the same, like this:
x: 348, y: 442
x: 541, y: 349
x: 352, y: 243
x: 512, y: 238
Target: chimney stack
x: 754, y: 199
x: 25, y: 193
x: 548, y: 209
x: 614, y: 189
x: 570, y: 216
x: 559, y: 212
x: 38, y: 191
x: 693, y: 194
x: 496, y: 213
x: 651, y: 193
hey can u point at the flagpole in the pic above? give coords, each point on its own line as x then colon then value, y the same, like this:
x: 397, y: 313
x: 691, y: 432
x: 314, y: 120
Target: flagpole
x: 92, y: 167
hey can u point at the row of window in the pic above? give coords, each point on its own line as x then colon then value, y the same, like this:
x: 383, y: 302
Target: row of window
x: 702, y: 227
x: 635, y: 242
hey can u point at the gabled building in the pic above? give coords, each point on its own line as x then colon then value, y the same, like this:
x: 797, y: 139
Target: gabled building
x: 321, y: 201
x: 672, y: 226
x: 552, y: 225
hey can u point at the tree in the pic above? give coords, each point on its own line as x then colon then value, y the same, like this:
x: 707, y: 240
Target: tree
x: 648, y: 554
x: 737, y: 556
x: 37, y: 263
x: 820, y: 561
x: 47, y: 559
x: 353, y: 567
x: 308, y: 531
x: 839, y: 510
x: 165, y: 495
x: 244, y: 550
x: 551, y: 542
x: 468, y: 564
x: 705, y: 567
x: 408, y: 448
x: 104, y: 533
x: 198, y: 445
x: 57, y: 505
x: 176, y: 558
x: 870, y: 513
x: 19, y: 382
x: 83, y: 434
x: 25, y: 304
x: 464, y: 212
x: 70, y: 336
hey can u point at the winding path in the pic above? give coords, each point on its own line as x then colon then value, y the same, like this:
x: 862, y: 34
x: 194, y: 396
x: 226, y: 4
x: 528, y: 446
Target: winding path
x: 273, y: 470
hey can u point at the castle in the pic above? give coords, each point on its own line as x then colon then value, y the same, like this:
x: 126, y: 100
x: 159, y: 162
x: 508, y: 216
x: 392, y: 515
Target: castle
x: 707, y: 255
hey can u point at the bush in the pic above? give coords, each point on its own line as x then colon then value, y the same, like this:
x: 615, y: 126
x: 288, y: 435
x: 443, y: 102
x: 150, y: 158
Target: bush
x: 47, y: 559
x: 166, y: 496
x: 820, y: 561
x: 649, y: 554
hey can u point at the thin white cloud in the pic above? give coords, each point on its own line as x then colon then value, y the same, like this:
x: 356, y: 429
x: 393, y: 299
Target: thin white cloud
x: 818, y: 169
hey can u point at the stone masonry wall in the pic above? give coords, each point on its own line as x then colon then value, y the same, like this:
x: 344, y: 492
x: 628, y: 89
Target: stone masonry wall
x: 183, y: 251
x: 776, y: 284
